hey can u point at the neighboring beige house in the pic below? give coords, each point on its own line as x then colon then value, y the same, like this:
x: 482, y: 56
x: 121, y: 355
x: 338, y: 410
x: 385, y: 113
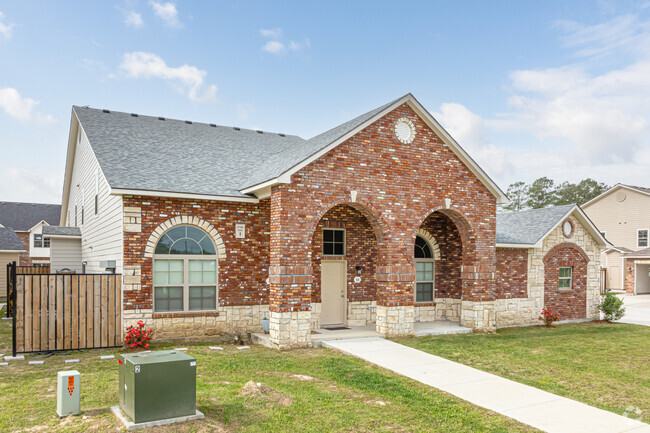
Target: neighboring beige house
x: 622, y: 214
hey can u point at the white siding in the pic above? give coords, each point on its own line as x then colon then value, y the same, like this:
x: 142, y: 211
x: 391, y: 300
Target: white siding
x: 65, y: 254
x: 101, y: 234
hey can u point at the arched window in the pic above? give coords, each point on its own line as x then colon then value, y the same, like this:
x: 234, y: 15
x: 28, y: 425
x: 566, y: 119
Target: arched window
x: 185, y: 271
x: 424, y: 270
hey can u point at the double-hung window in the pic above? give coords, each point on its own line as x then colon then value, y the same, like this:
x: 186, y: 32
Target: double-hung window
x: 185, y: 271
x: 424, y: 271
x: 642, y: 238
x: 565, y: 278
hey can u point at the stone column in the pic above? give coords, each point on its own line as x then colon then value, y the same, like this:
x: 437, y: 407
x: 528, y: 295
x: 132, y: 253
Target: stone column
x: 477, y: 309
x: 395, y: 300
x: 289, y: 306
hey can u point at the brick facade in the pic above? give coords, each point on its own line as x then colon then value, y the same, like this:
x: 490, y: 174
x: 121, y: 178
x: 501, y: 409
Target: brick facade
x: 512, y: 273
x: 567, y: 303
x: 448, y: 282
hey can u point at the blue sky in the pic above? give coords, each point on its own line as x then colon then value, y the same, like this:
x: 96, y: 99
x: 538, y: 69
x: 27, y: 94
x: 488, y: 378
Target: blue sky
x: 528, y: 88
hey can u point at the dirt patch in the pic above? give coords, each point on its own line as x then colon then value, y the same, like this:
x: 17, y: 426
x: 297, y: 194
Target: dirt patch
x: 303, y: 377
x: 263, y: 391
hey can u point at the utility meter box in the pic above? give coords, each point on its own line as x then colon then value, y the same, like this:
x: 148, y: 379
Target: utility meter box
x: 67, y: 393
x: 157, y: 385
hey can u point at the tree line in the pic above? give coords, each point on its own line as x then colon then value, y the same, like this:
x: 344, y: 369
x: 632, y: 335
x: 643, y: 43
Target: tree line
x: 545, y: 192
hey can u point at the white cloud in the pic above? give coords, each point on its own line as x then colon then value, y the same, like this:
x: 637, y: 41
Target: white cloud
x: 167, y: 12
x: 468, y: 129
x: 29, y: 185
x: 276, y: 46
x: 186, y: 79
x: 133, y: 19
x: 245, y: 110
x: 6, y: 29
x: 23, y: 109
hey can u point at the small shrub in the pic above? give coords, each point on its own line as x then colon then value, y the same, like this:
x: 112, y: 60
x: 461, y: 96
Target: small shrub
x: 548, y: 316
x: 612, y: 307
x: 137, y: 337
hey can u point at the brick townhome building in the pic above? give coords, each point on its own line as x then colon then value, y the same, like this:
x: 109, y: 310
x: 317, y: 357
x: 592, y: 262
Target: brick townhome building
x: 384, y: 219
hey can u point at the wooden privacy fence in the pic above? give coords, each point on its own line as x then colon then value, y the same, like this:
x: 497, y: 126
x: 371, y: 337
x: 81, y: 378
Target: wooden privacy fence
x: 32, y: 269
x: 56, y: 312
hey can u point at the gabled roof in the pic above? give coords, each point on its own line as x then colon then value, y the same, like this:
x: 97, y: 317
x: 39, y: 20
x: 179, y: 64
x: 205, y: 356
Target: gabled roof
x: 9, y: 241
x: 529, y: 228
x: 637, y: 254
x: 61, y: 231
x: 172, y: 157
x: 618, y: 186
x: 24, y: 216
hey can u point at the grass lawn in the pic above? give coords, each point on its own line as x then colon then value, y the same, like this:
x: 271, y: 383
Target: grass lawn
x: 603, y: 365
x: 315, y: 390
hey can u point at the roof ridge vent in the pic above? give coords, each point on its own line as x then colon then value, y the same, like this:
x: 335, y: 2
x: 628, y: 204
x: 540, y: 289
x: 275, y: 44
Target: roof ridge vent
x: 106, y: 111
x: 259, y: 132
x: 189, y: 122
x: 134, y: 114
x: 161, y: 118
x: 281, y: 135
x: 236, y: 128
x: 213, y: 125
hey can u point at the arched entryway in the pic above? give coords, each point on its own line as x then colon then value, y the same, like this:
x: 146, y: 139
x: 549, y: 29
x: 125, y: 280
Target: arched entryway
x: 344, y: 259
x: 565, y: 281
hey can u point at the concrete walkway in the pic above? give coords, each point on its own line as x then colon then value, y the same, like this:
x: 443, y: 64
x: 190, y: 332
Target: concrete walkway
x: 540, y: 409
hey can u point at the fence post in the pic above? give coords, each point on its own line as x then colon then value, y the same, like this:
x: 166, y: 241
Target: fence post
x: 12, y: 273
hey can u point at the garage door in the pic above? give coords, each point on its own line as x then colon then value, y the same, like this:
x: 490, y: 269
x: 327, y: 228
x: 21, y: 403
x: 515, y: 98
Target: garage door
x: 4, y: 259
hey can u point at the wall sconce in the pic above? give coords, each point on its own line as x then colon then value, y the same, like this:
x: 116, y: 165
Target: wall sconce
x: 358, y: 268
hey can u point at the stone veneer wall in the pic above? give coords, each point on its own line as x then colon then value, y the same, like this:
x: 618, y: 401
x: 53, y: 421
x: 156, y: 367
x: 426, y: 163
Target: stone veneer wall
x: 520, y: 311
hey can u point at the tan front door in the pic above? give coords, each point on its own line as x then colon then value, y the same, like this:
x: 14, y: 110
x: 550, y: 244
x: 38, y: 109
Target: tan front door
x: 333, y: 292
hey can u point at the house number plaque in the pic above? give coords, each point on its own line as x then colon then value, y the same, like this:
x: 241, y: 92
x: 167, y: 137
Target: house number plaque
x: 240, y: 230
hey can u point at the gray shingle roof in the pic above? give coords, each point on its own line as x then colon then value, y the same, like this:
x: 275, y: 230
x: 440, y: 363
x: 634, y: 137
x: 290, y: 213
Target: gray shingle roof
x: 146, y: 153
x: 640, y: 188
x: 61, y: 231
x: 9, y: 240
x: 528, y: 227
x: 24, y: 216
x: 640, y: 253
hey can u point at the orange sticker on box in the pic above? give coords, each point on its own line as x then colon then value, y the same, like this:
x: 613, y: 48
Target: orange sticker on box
x: 70, y: 385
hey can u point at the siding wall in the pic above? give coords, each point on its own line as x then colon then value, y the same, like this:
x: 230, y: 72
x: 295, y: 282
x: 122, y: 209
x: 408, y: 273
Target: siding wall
x: 65, y: 254
x: 621, y: 219
x: 102, y: 233
x: 4, y: 259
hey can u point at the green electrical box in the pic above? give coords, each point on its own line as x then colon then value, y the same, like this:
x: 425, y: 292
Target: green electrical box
x: 157, y: 385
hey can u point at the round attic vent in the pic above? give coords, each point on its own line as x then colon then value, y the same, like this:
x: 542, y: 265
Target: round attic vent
x: 567, y: 228
x: 620, y: 196
x: 404, y: 130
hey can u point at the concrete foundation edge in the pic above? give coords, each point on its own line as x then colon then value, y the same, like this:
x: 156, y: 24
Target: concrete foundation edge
x: 130, y: 425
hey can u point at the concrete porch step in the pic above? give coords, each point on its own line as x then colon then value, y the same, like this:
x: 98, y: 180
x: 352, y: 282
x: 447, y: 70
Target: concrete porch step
x: 439, y: 327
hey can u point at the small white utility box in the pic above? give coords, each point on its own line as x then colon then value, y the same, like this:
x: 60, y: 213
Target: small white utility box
x: 67, y: 393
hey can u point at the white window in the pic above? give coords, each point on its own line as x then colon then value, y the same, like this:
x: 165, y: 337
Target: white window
x: 185, y: 271
x: 333, y: 242
x: 424, y: 271
x: 565, y: 278
x: 642, y: 237
x: 40, y: 242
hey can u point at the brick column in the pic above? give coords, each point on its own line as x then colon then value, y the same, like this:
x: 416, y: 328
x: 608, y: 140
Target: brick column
x: 289, y: 306
x: 477, y: 308
x: 395, y: 300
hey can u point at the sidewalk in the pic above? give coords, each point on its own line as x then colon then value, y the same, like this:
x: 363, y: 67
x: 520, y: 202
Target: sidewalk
x: 537, y: 408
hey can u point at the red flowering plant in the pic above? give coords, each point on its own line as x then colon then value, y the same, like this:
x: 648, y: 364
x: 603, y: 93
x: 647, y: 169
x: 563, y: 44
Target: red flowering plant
x: 137, y: 336
x: 548, y: 316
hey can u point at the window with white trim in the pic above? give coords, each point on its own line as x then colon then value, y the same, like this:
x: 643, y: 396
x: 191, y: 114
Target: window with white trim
x: 424, y: 270
x: 40, y: 241
x: 642, y: 238
x: 185, y: 271
x: 333, y: 242
x: 565, y: 278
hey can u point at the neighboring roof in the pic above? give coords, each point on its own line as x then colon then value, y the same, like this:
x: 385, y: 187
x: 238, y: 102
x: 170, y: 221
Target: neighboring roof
x: 640, y: 189
x: 529, y: 226
x: 61, y: 231
x: 620, y: 250
x: 23, y: 216
x: 9, y: 241
x: 144, y: 153
x: 641, y: 253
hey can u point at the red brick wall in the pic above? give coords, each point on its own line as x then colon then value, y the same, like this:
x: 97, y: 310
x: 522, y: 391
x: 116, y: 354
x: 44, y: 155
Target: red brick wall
x: 242, y: 275
x: 361, y: 250
x: 629, y: 270
x: 397, y: 186
x: 512, y: 273
x: 448, y: 283
x: 568, y: 304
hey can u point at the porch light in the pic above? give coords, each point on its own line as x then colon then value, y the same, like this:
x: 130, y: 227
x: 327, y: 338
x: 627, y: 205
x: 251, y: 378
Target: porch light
x: 358, y: 268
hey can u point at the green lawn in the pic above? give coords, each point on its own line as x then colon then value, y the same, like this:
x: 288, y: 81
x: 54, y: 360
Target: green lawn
x: 316, y: 390
x: 603, y: 365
